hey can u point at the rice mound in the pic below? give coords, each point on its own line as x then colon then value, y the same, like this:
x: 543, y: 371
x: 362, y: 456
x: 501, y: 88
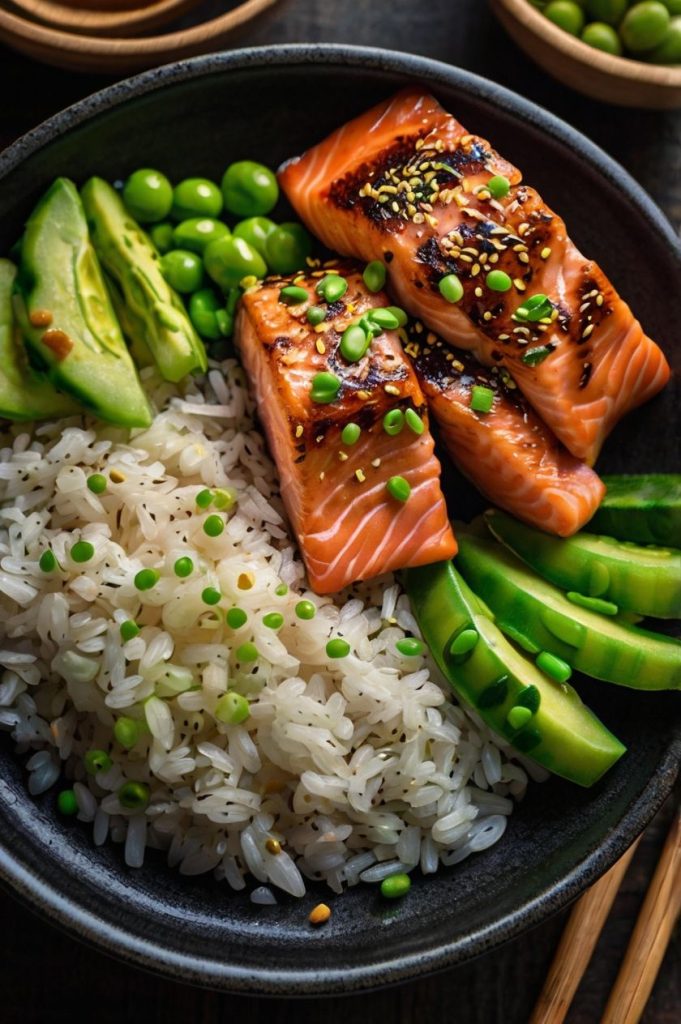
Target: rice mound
x: 360, y: 766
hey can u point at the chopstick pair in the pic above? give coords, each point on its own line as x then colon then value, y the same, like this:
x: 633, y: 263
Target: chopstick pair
x: 646, y: 948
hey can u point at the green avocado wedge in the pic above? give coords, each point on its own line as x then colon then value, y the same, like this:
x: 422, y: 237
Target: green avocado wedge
x: 644, y: 508
x: 540, y: 617
x: 646, y: 580
x: 156, y: 316
x: 24, y: 394
x: 541, y: 718
x: 81, y: 348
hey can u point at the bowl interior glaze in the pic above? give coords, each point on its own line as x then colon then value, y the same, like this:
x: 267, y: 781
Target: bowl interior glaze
x: 268, y: 104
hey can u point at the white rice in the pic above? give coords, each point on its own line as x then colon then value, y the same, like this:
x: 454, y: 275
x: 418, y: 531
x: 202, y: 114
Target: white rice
x: 359, y: 767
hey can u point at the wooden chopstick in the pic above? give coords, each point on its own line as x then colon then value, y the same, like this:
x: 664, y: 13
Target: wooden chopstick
x: 577, y: 944
x: 651, y: 935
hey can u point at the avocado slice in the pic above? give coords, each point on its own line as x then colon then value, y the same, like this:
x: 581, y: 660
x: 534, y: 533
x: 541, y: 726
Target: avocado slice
x: 644, y: 508
x: 541, y: 618
x: 155, y: 313
x: 646, y: 580
x: 24, y: 394
x: 81, y: 348
x: 543, y: 719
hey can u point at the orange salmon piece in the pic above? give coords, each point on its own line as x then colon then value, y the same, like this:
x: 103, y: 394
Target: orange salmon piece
x: 348, y: 525
x: 406, y: 183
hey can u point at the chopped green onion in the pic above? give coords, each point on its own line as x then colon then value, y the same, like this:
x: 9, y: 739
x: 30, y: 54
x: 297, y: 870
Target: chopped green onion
x: 236, y: 618
x: 527, y: 740
x: 67, y: 803
x: 82, y: 551
x: 534, y: 308
x: 350, y: 433
x: 316, y: 315
x: 273, y: 620
x: 325, y: 388
x: 451, y: 288
x: 97, y: 761
x: 128, y: 630
x: 414, y: 422
x: 482, y: 399
x: 534, y: 356
x: 213, y: 526
x: 499, y: 186
x: 306, y: 610
x: 498, y: 281
x: 374, y: 276
x: 134, y: 796
x: 127, y: 731
x: 204, y: 498
x: 518, y: 716
x: 395, y: 886
x: 292, y: 295
x: 410, y: 646
x: 398, y: 488
x: 97, y: 483
x: 247, y: 652
x: 183, y: 567
x: 530, y: 697
x: 553, y: 666
x: 211, y: 596
x: 232, y: 709
x: 281, y: 590
x: 146, y: 579
x: 354, y: 343
x: 337, y: 648
x: 47, y: 561
x: 332, y: 288
x: 393, y: 422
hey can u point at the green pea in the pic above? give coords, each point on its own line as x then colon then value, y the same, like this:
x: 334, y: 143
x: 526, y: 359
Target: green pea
x: 482, y: 398
x: 383, y: 318
x: 337, y: 648
x: 414, y: 422
x: 395, y: 886
x: 47, y: 561
x: 255, y: 231
x: 273, y: 620
x: 127, y: 731
x: 204, y: 498
x: 602, y: 37
x: 287, y: 248
x: 67, y: 803
x: 232, y: 709
x: 236, y: 618
x: 183, y: 567
x: 669, y: 50
x: 498, y: 281
x: 97, y: 761
x: 374, y: 276
x: 229, y: 260
x: 316, y: 315
x: 82, y: 551
x: 644, y: 26
x: 609, y: 11
x: 451, y: 288
x: 162, y: 237
x: 198, y: 232
x: 399, y: 315
x: 249, y: 189
x: 566, y: 14
x: 134, y: 796
x: 305, y: 610
x: 281, y: 590
x: 196, y: 197
x: 354, y: 343
x: 350, y: 433
x: 247, y: 652
x: 148, y: 195
x: 332, y: 287
x: 182, y: 270
x: 499, y: 186
x: 203, y: 308
x: 211, y: 596
x: 146, y: 579
x: 518, y: 716
x: 398, y: 488
x: 292, y: 295
x: 410, y: 646
x: 393, y: 422
x: 213, y: 526
x: 464, y: 642
x: 325, y: 388
x: 97, y: 483
x: 128, y: 630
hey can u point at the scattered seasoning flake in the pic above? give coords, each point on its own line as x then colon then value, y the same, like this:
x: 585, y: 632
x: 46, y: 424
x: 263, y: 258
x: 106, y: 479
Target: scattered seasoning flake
x: 398, y: 488
x: 451, y: 288
x: 128, y: 630
x: 553, y: 666
x: 47, y: 562
x: 410, y: 646
x: 534, y: 356
x: 319, y: 914
x: 204, y: 498
x: 213, y: 526
x: 518, y: 717
x: 232, y: 708
x: 82, y: 551
x: 209, y: 595
x: 499, y: 186
x: 146, y: 579
x: 116, y: 477
x: 40, y: 318
x: 67, y: 803
x: 273, y: 620
x: 247, y: 652
x: 325, y: 387
x: 306, y: 610
x: 245, y: 581
x: 96, y: 483
x: 58, y: 342
x: 350, y: 433
x: 482, y: 399
x: 337, y: 648
x: 292, y: 295
x: 273, y: 846
x: 414, y: 422
x: 395, y: 886
x: 236, y: 618
x: 594, y: 604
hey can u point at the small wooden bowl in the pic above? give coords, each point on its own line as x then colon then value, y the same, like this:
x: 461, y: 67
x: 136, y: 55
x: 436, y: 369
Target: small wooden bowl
x: 619, y: 80
x: 137, y: 17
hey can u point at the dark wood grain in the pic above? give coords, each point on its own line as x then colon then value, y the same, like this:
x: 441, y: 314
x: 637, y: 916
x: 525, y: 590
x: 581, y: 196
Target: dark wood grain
x: 48, y: 977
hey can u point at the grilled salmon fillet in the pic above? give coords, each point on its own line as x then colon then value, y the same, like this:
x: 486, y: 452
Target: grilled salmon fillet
x: 405, y: 183
x: 339, y: 495
x: 507, y: 452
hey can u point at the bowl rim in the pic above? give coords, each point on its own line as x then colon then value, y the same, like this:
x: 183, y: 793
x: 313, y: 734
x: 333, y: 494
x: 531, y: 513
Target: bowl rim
x: 19, y: 876
x: 629, y: 69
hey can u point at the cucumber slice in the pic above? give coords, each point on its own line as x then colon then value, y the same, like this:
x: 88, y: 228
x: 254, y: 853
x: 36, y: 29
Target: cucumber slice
x: 645, y: 508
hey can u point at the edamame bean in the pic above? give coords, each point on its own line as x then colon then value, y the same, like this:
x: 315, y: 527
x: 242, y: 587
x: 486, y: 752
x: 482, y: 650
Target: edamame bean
x: 182, y: 270
x: 148, y: 195
x: 196, y: 197
x: 196, y: 233
x: 229, y: 260
x: 249, y: 189
x: 287, y: 248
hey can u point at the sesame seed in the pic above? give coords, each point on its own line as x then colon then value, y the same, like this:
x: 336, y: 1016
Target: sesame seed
x: 320, y: 346
x: 359, y: 473
x: 524, y: 227
x: 364, y: 395
x: 545, y: 253
x: 117, y: 477
x: 322, y: 475
x: 504, y: 337
x: 523, y: 257
x: 487, y: 315
x: 375, y: 463
x: 520, y: 285
x: 343, y: 456
x: 390, y: 389
x: 584, y: 305
x: 520, y: 247
x: 475, y: 270
x: 418, y: 218
x: 588, y: 330
x: 457, y: 365
x: 320, y: 328
x: 478, y: 293
x: 299, y: 430
x: 599, y: 300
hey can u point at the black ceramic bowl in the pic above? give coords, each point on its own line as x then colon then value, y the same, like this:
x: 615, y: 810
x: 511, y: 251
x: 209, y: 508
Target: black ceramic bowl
x: 268, y: 104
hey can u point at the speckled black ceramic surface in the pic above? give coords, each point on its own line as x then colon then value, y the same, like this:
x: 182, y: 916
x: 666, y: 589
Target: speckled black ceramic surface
x: 268, y: 104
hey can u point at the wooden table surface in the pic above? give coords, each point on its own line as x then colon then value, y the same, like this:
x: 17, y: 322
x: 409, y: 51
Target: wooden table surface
x: 47, y: 977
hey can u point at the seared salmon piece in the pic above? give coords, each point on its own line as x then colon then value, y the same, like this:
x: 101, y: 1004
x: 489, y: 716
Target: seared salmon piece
x: 407, y: 184
x: 361, y: 501
x: 507, y: 452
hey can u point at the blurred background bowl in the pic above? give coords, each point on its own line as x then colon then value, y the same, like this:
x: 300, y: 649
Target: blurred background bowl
x: 620, y: 80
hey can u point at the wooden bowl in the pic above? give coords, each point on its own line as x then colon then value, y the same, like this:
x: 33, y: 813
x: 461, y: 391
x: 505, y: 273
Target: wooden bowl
x: 620, y: 80
x: 137, y: 16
